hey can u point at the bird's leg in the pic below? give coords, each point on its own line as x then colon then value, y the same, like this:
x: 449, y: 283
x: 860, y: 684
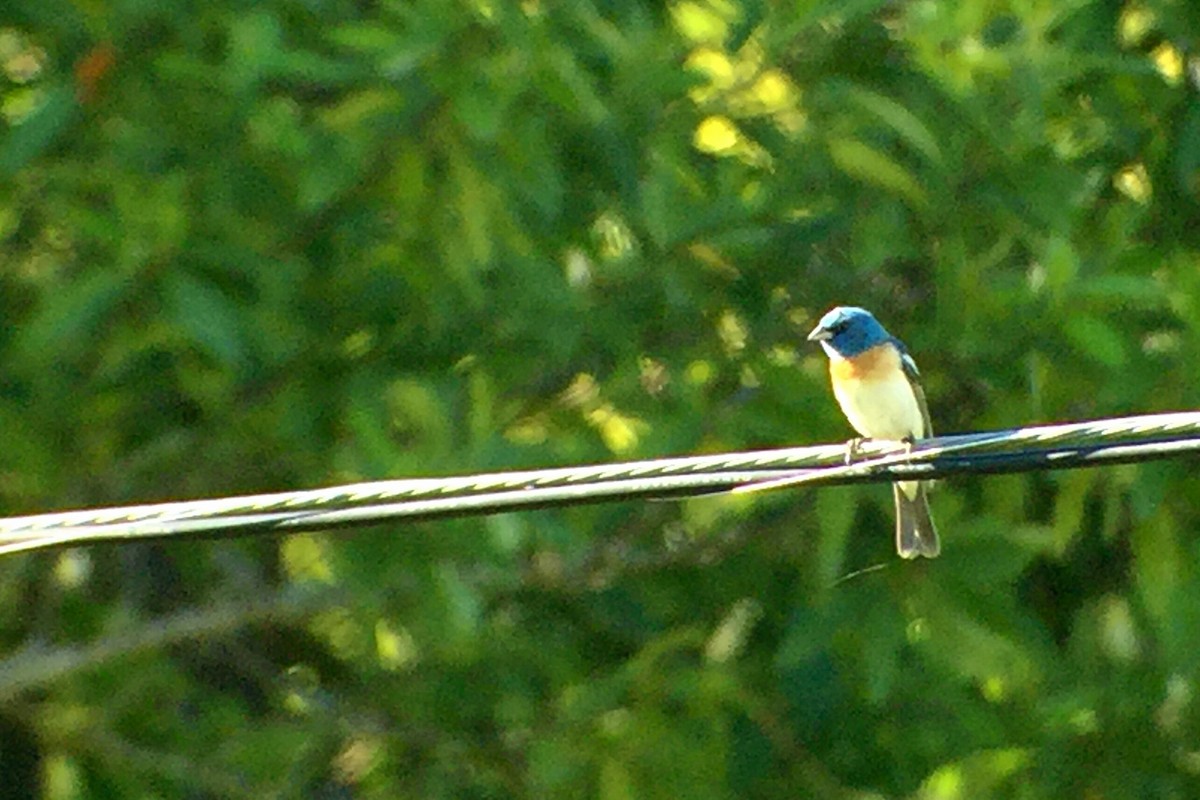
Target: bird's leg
x: 853, y: 448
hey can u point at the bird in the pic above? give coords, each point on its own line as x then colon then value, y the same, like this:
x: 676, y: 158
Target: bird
x: 877, y: 385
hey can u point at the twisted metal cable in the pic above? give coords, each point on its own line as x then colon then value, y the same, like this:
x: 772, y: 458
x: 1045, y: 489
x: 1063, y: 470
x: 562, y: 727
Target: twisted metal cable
x: 1061, y: 446
x: 1041, y: 447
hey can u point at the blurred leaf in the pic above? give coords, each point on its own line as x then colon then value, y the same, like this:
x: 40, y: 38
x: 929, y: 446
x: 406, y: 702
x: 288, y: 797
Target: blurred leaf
x: 1095, y: 339
x: 1122, y: 291
x: 868, y: 165
x: 1069, y: 507
x: 209, y: 317
x: 38, y: 131
x: 910, y: 128
x: 983, y: 774
x: 836, y: 511
x: 1188, y: 157
x: 971, y: 647
x: 1061, y: 262
x: 68, y: 318
x: 1158, y: 561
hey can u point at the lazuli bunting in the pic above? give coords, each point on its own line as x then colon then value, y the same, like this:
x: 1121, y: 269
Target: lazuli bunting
x: 876, y: 383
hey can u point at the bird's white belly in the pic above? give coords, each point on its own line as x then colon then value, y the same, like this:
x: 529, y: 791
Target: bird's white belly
x: 881, y: 409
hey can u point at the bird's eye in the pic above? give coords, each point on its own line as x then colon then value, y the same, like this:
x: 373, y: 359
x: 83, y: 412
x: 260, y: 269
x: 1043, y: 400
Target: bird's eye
x: 838, y: 327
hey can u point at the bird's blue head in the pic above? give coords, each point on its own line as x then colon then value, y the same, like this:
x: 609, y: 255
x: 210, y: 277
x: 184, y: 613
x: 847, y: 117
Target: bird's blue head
x: 847, y: 331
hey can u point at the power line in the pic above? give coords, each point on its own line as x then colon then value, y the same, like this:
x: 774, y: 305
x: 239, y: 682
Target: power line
x: 1070, y: 445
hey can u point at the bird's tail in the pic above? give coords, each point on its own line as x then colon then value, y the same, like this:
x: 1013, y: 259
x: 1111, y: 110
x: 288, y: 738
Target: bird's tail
x: 916, y: 534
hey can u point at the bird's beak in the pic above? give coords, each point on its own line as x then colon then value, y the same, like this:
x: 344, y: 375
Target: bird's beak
x: 819, y: 334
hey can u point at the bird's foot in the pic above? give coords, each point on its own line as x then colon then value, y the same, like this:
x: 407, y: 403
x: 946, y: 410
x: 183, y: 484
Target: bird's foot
x: 853, y: 449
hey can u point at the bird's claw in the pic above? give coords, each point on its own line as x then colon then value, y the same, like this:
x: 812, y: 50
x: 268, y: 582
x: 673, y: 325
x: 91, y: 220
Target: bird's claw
x: 853, y: 448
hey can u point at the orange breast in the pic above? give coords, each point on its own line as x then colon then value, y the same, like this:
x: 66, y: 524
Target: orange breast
x: 869, y: 365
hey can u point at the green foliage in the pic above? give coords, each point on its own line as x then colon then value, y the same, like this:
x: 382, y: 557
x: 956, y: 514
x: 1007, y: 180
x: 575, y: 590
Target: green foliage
x: 256, y: 246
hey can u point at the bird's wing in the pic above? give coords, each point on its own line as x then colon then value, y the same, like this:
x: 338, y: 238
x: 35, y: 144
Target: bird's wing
x: 914, y: 380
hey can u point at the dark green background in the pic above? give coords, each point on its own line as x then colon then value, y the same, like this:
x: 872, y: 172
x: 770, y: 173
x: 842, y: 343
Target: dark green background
x: 257, y: 246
